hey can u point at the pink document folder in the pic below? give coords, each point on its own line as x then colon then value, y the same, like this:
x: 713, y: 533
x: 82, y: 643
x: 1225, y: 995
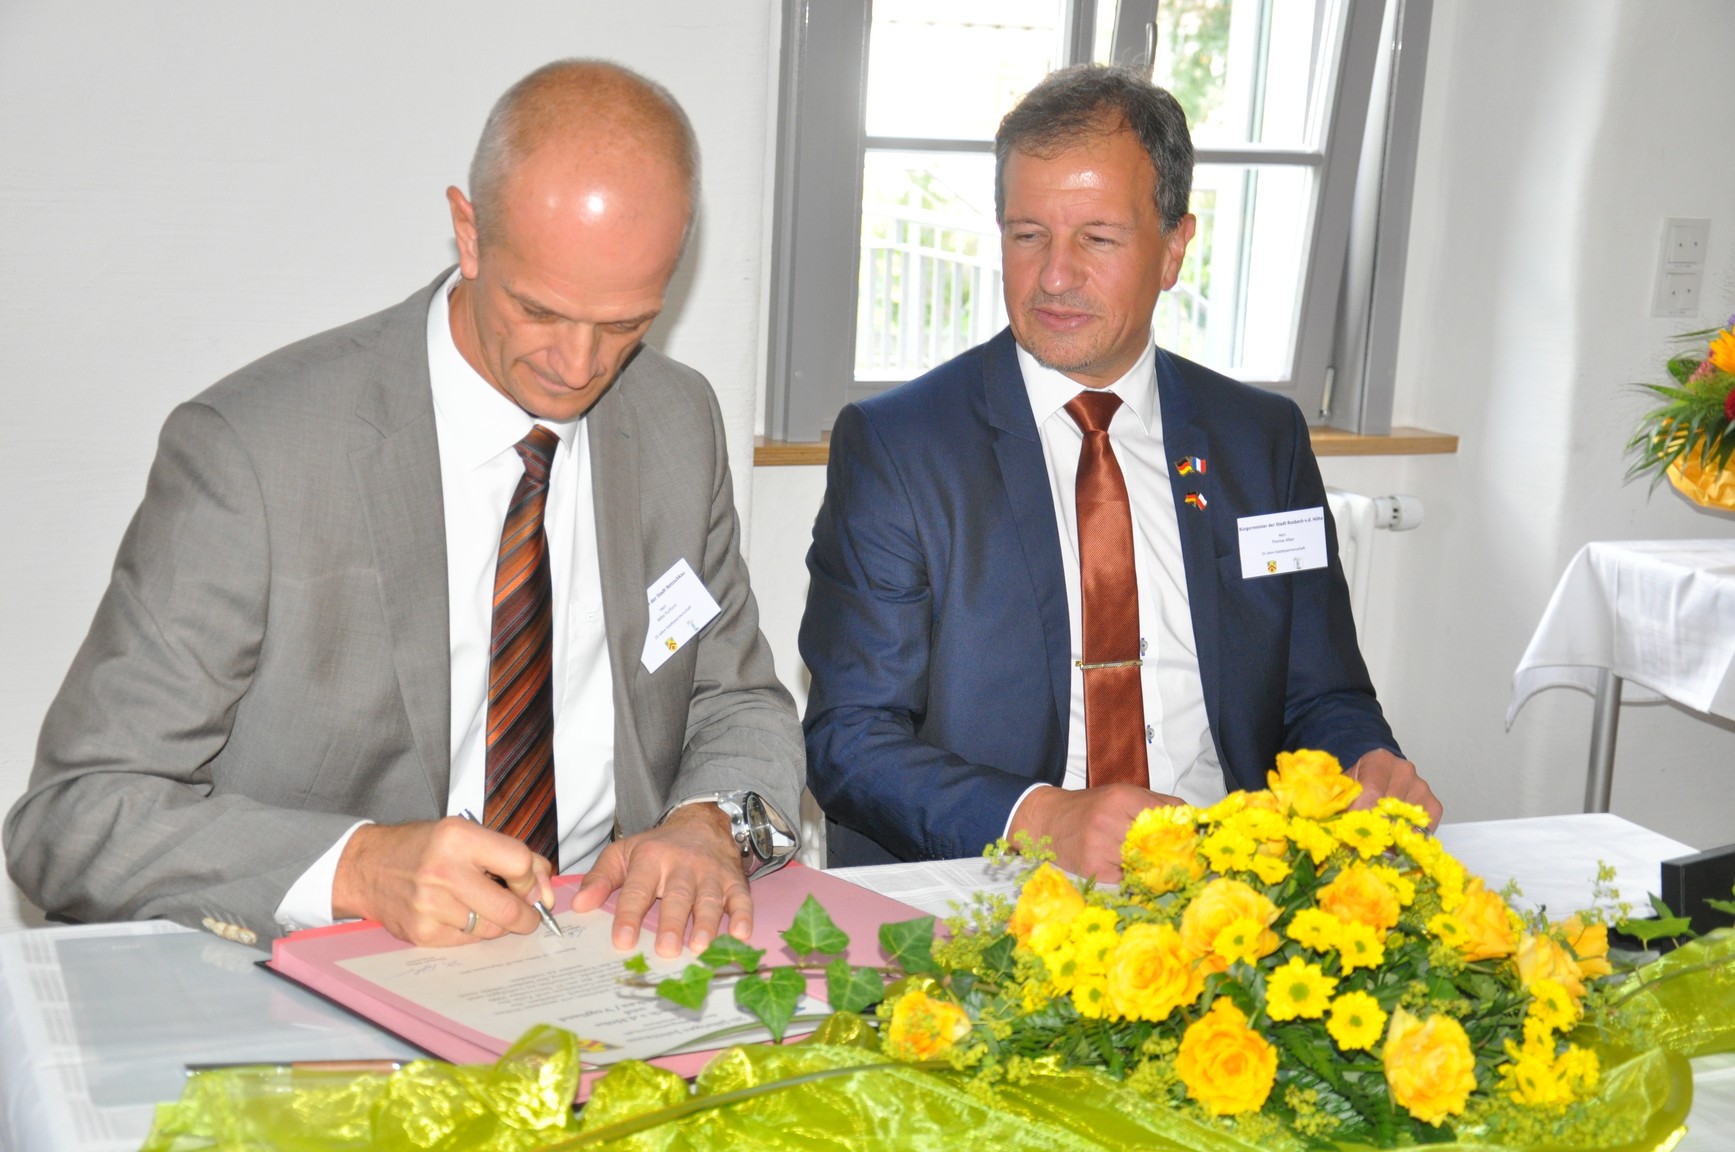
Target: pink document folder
x: 313, y: 958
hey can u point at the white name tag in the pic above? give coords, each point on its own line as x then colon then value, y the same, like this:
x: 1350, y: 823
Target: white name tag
x: 680, y: 607
x: 1281, y: 542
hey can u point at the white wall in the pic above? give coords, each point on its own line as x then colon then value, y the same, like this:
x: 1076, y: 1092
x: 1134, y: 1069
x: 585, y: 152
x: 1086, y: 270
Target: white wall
x: 1556, y: 136
x: 186, y: 186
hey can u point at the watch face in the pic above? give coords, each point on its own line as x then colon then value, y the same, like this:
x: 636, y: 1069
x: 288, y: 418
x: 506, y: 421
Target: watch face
x: 759, y: 833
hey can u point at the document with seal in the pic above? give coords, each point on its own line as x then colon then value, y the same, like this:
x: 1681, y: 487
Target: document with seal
x: 1280, y: 542
x: 680, y: 605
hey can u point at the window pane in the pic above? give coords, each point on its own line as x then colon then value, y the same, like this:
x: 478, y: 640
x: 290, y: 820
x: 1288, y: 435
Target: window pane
x: 1248, y: 71
x: 930, y: 261
x: 1234, y: 306
x: 950, y: 69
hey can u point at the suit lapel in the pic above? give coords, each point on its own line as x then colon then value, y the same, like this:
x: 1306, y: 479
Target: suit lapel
x: 1183, y: 437
x: 614, y: 470
x: 1024, y: 473
x: 398, y: 478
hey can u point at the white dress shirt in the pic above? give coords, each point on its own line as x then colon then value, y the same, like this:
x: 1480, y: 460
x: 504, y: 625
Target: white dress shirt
x: 1181, y: 756
x: 477, y: 428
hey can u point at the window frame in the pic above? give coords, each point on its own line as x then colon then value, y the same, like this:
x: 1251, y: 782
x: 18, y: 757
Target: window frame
x: 1344, y: 353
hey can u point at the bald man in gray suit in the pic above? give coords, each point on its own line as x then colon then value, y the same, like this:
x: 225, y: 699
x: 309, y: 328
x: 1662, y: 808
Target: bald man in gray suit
x: 273, y: 720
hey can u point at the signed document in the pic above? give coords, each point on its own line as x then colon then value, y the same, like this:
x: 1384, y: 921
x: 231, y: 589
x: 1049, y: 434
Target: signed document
x: 504, y: 987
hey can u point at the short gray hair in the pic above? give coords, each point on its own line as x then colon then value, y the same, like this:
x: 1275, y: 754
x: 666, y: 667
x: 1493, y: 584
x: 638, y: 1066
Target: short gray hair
x: 1085, y: 100
x: 610, y: 96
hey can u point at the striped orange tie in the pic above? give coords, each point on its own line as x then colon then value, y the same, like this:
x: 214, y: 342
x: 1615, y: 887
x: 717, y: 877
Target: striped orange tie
x: 1114, y: 703
x: 520, y: 798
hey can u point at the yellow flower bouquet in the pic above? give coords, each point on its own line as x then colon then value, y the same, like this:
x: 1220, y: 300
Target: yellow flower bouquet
x: 1689, y: 439
x: 1277, y: 973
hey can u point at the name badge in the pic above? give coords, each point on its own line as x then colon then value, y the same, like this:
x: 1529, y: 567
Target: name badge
x: 1280, y: 542
x: 680, y: 606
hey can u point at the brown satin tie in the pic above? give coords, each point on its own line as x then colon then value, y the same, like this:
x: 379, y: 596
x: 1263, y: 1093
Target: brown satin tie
x: 520, y: 779
x: 1114, y: 705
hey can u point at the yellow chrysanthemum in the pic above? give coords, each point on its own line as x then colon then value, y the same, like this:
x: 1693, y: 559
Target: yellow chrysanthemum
x: 1553, y: 1005
x: 1401, y: 885
x: 1298, y: 989
x: 1357, y: 1021
x: 1450, y: 879
x: 1359, y: 946
x: 1430, y: 1070
x: 1448, y: 930
x: 1228, y: 850
x: 1313, y: 839
x: 924, y: 1027
x: 1722, y: 350
x: 1368, y: 833
x: 1311, y: 784
x: 1090, y: 995
x: 1358, y: 896
x: 1092, y: 938
x: 1161, y: 851
x: 1224, y: 808
x: 1270, y: 869
x: 1226, y: 1066
x: 1533, y: 1081
x: 1411, y: 814
x: 1242, y: 939
x: 1316, y: 929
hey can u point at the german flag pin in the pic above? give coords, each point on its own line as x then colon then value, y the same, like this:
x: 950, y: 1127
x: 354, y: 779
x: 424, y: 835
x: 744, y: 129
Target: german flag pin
x: 1196, y: 499
x: 1187, y: 465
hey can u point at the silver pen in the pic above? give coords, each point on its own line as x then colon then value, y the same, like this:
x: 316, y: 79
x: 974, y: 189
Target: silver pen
x: 548, y: 920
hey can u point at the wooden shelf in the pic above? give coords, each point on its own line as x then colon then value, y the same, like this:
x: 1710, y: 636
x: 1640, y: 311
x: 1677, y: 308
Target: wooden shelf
x: 769, y: 453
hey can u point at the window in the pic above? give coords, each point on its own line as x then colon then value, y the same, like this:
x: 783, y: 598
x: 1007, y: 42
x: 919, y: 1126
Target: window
x: 888, y: 255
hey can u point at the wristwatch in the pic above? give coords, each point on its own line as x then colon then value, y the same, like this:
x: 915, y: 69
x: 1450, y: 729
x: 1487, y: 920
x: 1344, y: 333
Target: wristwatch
x: 765, y: 839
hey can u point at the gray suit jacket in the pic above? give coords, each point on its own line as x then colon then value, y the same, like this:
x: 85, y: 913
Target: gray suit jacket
x: 271, y: 659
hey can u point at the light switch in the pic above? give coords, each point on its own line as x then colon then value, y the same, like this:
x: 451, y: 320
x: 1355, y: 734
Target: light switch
x: 1685, y: 241
x: 1680, y: 267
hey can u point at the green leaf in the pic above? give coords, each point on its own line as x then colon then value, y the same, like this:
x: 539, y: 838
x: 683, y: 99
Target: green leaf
x: 997, y: 959
x: 852, y: 989
x: 726, y: 950
x: 814, y: 932
x: 1722, y: 905
x: 1666, y: 924
x: 637, y: 964
x: 910, y: 944
x: 689, y: 989
x: 772, y: 997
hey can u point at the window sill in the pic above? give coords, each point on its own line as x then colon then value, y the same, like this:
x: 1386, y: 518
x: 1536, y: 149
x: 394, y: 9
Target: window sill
x: 769, y: 453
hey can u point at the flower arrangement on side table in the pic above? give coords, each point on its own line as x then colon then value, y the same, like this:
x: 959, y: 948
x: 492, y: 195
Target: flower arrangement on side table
x: 1690, y: 438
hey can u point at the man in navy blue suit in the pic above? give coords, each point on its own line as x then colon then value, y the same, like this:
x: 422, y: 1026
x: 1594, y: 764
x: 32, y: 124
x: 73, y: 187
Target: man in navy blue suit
x: 943, y: 620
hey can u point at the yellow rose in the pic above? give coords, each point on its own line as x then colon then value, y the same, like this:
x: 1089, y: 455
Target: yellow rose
x: 1045, y: 908
x: 1359, y: 896
x: 1227, y: 1067
x: 1487, y: 925
x: 1222, y: 902
x: 1312, y: 784
x: 1161, y: 852
x: 1545, y: 958
x: 924, y: 1027
x: 1151, y: 974
x: 1589, y: 944
x: 1430, y: 1071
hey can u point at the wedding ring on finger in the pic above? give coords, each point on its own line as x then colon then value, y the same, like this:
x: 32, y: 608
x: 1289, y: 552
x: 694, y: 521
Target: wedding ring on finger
x: 470, y: 924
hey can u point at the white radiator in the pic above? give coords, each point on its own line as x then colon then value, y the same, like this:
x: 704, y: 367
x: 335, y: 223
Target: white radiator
x: 1357, y: 518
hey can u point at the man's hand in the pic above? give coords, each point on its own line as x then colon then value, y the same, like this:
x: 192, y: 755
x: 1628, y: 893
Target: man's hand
x: 1380, y: 773
x: 691, y: 863
x: 1086, y: 826
x: 423, y: 880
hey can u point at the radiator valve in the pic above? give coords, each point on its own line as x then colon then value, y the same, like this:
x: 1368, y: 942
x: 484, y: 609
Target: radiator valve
x: 1398, y: 513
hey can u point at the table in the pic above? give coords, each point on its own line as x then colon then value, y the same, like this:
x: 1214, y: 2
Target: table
x: 96, y: 1021
x: 1657, y: 613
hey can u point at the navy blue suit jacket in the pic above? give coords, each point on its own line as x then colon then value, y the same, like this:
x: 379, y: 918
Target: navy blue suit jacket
x: 936, y: 628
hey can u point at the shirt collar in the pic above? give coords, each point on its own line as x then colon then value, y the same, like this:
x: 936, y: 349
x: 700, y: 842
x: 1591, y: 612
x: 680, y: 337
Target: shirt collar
x: 1050, y: 390
x: 477, y: 422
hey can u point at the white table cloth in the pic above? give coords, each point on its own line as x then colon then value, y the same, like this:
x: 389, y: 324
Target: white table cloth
x: 1642, y: 620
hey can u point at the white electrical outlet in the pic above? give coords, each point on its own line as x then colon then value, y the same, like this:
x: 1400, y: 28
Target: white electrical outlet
x: 1680, y: 267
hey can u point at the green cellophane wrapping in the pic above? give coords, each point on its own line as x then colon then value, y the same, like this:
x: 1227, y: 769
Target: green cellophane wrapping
x: 1681, y: 1006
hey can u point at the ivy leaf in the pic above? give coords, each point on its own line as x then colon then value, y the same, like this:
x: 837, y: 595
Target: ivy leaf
x: 1722, y: 905
x: 852, y: 989
x: 637, y: 964
x: 689, y: 989
x: 1666, y: 924
x: 726, y: 950
x: 997, y: 957
x: 771, y: 998
x: 813, y: 931
x: 910, y: 944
